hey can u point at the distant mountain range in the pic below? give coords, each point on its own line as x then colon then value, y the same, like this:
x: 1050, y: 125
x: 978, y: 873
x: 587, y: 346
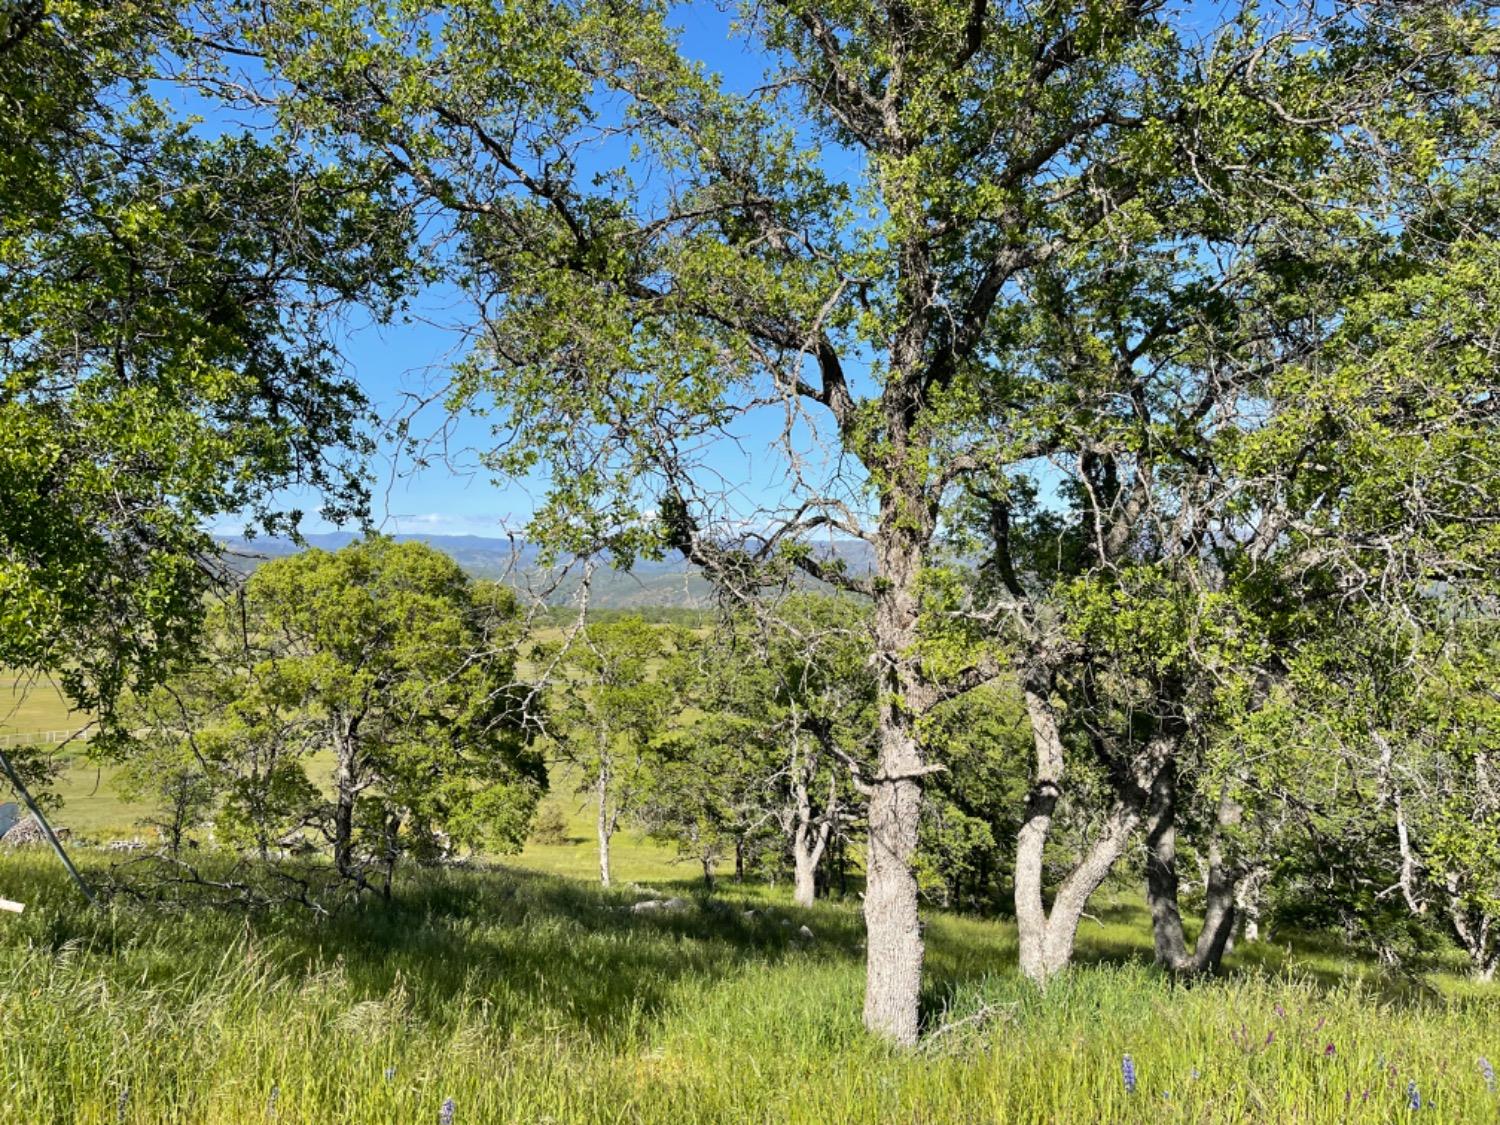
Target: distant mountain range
x: 673, y: 582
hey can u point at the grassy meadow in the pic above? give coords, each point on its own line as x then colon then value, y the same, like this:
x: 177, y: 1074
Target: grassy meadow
x: 529, y: 997
x: 524, y: 992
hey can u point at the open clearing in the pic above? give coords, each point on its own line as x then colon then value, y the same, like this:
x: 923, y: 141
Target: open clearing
x: 526, y: 993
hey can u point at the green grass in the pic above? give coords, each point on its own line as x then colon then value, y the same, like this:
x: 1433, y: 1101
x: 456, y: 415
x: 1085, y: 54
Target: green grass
x: 94, y: 810
x: 530, y: 998
x: 528, y: 994
x: 31, y: 704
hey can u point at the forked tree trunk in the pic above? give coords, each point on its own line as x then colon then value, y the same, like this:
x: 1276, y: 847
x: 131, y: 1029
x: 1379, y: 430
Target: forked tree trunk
x: 1162, y: 883
x: 809, y: 841
x: 1047, y: 937
x: 806, y: 856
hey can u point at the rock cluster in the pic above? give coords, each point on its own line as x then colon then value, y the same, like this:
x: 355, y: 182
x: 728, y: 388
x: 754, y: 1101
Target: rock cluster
x: 28, y: 831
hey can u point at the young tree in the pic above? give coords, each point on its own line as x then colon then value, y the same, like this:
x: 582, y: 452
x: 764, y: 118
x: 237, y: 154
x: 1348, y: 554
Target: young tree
x: 859, y: 245
x: 783, y: 715
x: 606, y: 711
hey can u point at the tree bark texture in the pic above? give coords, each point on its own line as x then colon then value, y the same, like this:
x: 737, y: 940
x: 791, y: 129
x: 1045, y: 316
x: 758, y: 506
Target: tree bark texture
x: 894, y: 947
x: 1162, y: 883
x: 1047, y: 937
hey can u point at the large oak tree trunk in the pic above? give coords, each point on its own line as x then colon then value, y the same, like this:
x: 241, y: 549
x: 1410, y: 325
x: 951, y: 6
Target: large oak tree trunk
x: 894, y: 948
x: 893, y: 961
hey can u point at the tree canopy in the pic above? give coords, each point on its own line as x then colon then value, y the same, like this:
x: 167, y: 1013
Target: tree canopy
x: 163, y: 358
x: 1035, y: 270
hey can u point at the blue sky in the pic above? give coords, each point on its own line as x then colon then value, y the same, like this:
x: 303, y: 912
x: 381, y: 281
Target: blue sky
x: 407, y: 361
x: 400, y: 363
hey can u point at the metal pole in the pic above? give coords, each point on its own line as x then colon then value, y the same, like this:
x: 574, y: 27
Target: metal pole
x: 41, y: 820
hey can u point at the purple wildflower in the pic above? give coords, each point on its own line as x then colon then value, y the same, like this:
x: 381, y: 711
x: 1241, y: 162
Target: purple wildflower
x: 1329, y: 1051
x: 1280, y: 1012
x: 1413, y: 1098
x: 271, y: 1101
x: 1270, y: 1038
x: 1127, y: 1071
x: 1489, y: 1073
x: 121, y: 1102
x: 1195, y: 1074
x: 446, y: 1116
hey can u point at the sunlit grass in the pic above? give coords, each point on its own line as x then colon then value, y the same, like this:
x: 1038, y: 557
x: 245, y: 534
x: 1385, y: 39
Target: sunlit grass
x: 528, y: 994
x: 33, y: 703
x: 530, y: 998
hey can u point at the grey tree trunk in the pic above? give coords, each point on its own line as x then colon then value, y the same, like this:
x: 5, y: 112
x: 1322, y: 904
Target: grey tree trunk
x: 1247, y: 900
x: 893, y: 953
x: 893, y: 947
x: 1047, y: 937
x: 1162, y: 883
x: 804, y: 886
x: 1475, y: 932
x: 809, y: 841
x: 604, y: 823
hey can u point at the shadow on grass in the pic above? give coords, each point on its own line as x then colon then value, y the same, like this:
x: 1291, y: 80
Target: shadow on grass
x: 541, y: 950
x: 548, y: 951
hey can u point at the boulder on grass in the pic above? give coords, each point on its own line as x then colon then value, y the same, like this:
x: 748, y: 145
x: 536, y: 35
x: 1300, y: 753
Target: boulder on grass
x: 658, y: 905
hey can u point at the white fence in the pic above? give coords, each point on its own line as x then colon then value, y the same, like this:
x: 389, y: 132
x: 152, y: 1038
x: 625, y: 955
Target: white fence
x: 44, y: 737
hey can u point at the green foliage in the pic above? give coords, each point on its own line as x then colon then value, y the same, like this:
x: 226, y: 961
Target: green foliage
x: 384, y: 655
x: 550, y: 826
x: 1382, y: 741
x: 608, y: 703
x: 162, y: 359
x: 776, y: 721
x: 972, y: 810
